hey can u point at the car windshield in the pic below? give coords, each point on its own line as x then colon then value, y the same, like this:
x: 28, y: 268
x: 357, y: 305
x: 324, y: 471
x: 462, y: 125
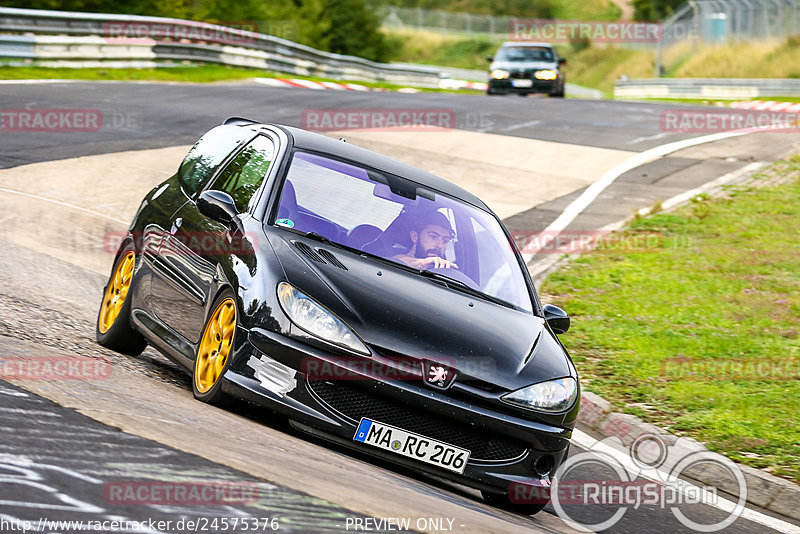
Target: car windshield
x: 525, y: 53
x: 401, y: 221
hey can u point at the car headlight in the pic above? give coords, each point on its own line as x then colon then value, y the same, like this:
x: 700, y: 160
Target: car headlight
x: 551, y: 396
x: 499, y: 74
x: 546, y: 74
x: 316, y: 320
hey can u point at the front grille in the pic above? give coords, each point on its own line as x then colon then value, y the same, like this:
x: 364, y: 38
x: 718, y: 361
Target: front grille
x: 521, y: 75
x: 355, y: 403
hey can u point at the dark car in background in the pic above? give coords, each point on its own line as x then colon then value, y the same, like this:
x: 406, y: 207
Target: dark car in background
x: 275, y: 266
x: 526, y: 68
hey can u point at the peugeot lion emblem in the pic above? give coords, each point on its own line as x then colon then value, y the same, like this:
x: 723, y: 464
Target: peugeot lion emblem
x: 438, y: 375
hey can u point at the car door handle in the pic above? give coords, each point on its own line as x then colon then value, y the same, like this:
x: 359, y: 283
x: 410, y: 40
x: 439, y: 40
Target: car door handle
x: 175, y: 225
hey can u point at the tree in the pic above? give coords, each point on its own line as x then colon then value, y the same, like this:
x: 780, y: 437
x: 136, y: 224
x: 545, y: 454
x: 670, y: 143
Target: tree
x: 655, y: 9
x: 352, y: 29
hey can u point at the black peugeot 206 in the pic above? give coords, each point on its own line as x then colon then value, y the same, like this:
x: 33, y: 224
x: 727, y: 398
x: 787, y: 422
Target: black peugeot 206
x: 373, y: 304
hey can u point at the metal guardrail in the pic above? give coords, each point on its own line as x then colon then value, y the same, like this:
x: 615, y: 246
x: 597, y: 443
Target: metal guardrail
x: 56, y: 36
x: 714, y: 88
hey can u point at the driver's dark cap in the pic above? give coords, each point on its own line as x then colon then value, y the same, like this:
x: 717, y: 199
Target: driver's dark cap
x: 433, y: 218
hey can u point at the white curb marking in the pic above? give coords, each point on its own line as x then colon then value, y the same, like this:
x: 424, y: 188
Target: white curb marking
x: 593, y: 191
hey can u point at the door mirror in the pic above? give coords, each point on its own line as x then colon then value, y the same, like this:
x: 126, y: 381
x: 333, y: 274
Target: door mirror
x: 562, y: 61
x: 489, y: 58
x: 557, y: 319
x: 217, y: 205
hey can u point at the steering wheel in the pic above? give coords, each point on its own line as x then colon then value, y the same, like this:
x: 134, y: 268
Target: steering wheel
x: 455, y: 274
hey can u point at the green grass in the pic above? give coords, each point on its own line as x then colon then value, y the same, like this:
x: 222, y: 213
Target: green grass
x: 187, y: 74
x: 717, y: 103
x: 600, y: 67
x: 724, y: 289
x: 586, y: 10
x: 206, y: 73
x: 432, y: 48
x: 765, y: 59
x: 596, y: 67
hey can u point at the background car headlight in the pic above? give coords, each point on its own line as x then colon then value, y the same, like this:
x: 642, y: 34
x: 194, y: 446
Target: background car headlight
x: 546, y: 75
x: 499, y: 74
x: 551, y: 396
x: 316, y: 320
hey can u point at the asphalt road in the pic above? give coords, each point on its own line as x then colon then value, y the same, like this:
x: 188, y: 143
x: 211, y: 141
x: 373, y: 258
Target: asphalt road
x: 60, y: 466
x: 57, y: 464
x: 140, y: 116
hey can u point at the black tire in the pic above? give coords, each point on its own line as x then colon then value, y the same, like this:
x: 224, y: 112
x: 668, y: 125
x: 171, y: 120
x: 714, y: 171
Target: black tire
x: 214, y: 395
x: 502, y: 501
x: 120, y: 336
x: 559, y: 93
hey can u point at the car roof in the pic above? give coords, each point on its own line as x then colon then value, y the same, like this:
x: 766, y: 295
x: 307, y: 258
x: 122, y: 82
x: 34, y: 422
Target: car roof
x: 525, y: 43
x: 322, y: 143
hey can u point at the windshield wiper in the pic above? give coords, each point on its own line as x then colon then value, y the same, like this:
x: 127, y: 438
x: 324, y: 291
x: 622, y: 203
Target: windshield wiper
x: 464, y: 288
x: 319, y: 237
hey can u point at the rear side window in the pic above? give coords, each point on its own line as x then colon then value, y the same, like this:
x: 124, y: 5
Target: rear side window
x: 207, y: 154
x: 242, y: 177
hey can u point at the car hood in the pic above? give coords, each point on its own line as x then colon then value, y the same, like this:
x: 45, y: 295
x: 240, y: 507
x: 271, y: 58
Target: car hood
x: 397, y: 312
x: 523, y: 65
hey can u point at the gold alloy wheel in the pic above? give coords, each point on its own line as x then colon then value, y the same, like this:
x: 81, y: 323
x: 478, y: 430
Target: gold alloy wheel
x: 116, y: 292
x: 215, y: 345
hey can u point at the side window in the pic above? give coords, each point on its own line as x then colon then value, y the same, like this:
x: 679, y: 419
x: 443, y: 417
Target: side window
x: 207, y: 154
x: 242, y: 177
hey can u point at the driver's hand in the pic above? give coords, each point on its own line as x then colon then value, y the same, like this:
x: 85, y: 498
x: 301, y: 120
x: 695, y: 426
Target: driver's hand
x: 435, y: 262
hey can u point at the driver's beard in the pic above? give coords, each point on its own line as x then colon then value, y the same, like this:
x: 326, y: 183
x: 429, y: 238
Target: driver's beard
x: 419, y: 253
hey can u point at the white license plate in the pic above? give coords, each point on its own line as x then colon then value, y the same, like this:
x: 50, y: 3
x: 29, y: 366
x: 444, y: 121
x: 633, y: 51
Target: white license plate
x: 522, y: 83
x: 412, y: 445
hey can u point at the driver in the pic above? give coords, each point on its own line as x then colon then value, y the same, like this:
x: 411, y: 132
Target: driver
x: 430, y: 236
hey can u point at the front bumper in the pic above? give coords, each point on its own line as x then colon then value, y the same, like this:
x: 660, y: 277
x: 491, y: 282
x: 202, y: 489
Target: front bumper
x: 538, y: 86
x: 506, y: 448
